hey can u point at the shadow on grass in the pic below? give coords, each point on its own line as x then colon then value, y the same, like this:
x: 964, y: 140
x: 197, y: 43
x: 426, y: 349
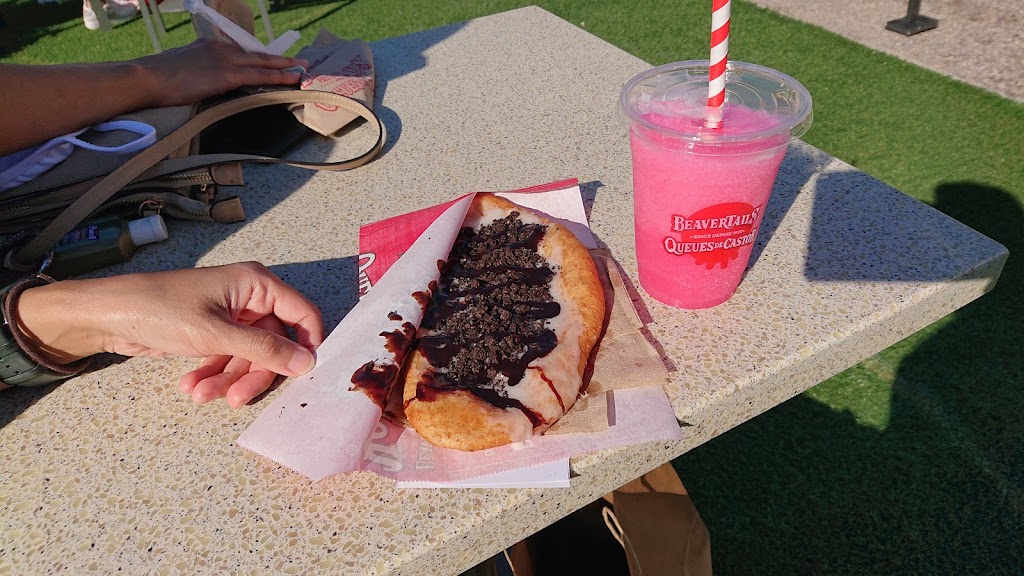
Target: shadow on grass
x: 284, y: 5
x: 176, y: 25
x: 23, y: 23
x: 280, y: 7
x: 934, y: 487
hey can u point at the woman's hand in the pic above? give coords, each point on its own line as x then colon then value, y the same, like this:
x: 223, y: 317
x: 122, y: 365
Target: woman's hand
x: 235, y: 317
x: 208, y: 67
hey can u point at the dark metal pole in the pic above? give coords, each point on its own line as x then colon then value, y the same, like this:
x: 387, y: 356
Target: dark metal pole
x: 913, y: 22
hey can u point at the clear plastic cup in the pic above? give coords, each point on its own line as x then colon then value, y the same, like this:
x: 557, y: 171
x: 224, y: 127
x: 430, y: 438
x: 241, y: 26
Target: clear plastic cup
x: 699, y: 192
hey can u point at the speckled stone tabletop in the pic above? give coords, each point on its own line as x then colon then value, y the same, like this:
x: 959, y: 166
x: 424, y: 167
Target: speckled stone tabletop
x: 116, y: 471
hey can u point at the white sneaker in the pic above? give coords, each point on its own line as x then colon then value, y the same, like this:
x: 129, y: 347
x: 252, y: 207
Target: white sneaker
x: 120, y: 9
x: 89, y: 17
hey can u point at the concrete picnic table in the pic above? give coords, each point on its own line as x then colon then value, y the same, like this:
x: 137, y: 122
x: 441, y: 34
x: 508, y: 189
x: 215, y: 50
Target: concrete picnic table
x: 117, y: 471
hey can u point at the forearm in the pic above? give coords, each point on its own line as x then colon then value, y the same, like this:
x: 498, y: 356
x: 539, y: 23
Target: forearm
x: 56, y: 318
x: 42, y: 102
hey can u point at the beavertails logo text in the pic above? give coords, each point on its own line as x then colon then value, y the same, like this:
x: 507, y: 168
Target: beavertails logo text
x: 365, y: 261
x: 714, y: 235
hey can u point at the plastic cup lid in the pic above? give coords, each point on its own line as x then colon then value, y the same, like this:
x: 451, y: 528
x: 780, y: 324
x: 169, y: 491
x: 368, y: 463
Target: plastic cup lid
x: 680, y: 90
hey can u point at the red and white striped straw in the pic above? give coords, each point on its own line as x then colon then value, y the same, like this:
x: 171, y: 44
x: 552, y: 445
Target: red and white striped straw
x: 720, y: 12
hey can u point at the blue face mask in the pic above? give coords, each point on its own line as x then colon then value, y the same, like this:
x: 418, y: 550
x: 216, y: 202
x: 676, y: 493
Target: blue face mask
x: 26, y: 165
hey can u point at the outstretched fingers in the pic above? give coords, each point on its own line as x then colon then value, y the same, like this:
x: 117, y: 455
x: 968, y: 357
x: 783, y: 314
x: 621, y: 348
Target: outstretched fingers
x: 254, y: 359
x: 210, y: 366
x: 217, y: 385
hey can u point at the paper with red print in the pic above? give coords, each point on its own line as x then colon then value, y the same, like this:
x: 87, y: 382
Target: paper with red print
x: 321, y: 425
x: 340, y: 66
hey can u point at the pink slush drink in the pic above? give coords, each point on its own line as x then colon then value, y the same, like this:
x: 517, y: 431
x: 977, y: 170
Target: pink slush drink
x: 699, y: 193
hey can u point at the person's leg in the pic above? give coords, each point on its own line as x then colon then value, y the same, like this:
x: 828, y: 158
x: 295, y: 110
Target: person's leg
x: 92, y: 22
x: 121, y: 9
x: 117, y: 9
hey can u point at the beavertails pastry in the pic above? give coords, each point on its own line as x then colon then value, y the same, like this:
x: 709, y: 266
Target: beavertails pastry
x: 507, y: 332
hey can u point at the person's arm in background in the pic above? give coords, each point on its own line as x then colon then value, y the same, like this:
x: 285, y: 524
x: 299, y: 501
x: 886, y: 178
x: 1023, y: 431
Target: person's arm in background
x: 38, y: 103
x: 235, y: 317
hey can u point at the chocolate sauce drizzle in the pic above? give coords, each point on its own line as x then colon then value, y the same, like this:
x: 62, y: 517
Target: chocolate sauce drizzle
x: 431, y: 387
x: 485, y: 322
x: 422, y: 297
x: 376, y: 380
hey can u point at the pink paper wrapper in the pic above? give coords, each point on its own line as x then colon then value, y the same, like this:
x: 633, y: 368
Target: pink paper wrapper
x: 320, y: 425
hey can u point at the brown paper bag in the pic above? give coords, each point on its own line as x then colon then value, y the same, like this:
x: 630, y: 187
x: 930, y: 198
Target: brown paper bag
x: 658, y: 529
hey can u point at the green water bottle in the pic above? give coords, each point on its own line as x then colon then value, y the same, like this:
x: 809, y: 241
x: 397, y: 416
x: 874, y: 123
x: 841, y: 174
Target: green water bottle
x: 103, y: 242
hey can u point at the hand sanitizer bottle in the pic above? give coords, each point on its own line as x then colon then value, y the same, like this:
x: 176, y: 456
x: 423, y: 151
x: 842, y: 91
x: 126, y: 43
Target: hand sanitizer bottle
x: 103, y: 242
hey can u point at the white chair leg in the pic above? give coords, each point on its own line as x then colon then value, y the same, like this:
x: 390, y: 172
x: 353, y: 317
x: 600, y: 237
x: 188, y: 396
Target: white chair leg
x: 266, y: 20
x: 158, y: 20
x: 155, y: 21
x: 148, y: 19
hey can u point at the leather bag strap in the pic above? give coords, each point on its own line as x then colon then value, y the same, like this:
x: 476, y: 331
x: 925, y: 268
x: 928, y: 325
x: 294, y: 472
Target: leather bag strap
x: 143, y: 161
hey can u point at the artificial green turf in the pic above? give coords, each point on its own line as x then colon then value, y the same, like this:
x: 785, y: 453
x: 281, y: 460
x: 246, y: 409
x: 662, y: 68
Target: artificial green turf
x: 910, y: 462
